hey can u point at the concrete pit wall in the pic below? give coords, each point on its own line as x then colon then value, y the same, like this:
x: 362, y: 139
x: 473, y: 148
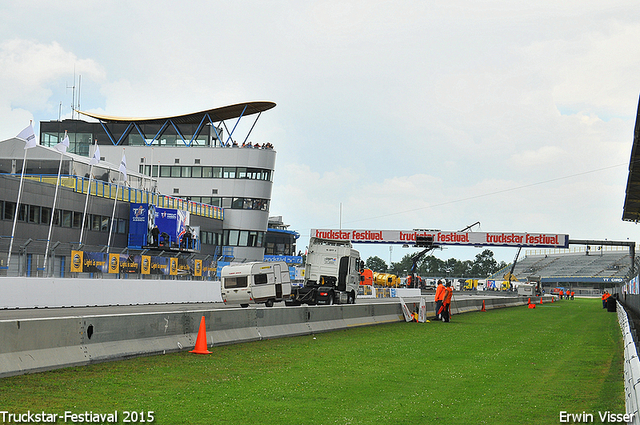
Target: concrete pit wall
x: 43, y: 344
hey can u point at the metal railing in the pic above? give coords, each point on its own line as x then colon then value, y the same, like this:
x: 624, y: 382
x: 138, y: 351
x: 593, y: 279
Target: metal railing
x: 631, y: 367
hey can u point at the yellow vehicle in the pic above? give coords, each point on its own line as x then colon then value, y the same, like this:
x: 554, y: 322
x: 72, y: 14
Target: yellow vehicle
x: 470, y: 284
x: 386, y: 279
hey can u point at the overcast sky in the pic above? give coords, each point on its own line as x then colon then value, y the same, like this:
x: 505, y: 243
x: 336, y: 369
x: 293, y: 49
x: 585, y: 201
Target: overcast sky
x: 409, y: 114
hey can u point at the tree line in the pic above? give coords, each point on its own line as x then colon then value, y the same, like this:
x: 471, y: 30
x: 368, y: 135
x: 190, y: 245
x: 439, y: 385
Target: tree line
x: 484, y: 265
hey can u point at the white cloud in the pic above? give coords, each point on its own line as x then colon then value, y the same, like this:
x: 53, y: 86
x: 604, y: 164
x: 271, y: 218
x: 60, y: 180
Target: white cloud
x: 31, y: 73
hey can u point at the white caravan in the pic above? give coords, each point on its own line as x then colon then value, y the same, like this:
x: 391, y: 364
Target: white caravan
x: 255, y: 282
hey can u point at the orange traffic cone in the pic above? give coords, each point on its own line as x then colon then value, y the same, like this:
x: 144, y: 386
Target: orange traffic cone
x: 532, y: 306
x: 201, y: 340
x: 553, y: 298
x: 529, y: 302
x: 483, y: 309
x: 541, y: 300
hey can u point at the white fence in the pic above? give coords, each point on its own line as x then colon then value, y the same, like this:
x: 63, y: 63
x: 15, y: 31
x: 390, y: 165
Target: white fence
x: 631, y: 367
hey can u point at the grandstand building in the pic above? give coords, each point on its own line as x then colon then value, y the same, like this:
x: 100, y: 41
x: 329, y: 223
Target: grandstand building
x: 585, y: 269
x: 192, y: 165
x: 194, y: 157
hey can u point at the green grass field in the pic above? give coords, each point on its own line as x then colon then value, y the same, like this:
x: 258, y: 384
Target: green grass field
x: 508, y: 366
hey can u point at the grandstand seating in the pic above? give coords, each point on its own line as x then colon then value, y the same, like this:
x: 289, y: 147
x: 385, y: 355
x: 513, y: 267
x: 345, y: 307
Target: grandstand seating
x: 574, y: 264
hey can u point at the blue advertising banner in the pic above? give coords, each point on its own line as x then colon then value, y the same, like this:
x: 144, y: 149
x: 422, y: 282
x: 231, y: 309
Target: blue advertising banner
x: 172, y: 226
x: 139, y: 222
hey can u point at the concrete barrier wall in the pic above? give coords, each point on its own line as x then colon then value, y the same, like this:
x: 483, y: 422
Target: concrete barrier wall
x: 38, y: 292
x: 42, y: 344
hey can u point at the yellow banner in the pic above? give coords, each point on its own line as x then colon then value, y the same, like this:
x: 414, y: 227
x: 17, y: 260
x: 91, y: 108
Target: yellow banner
x: 173, y: 270
x: 145, y: 266
x: 114, y: 263
x: 76, y: 261
x: 198, y: 268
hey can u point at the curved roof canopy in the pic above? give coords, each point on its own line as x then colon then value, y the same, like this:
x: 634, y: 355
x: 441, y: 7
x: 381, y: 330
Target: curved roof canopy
x: 632, y: 199
x: 217, y: 114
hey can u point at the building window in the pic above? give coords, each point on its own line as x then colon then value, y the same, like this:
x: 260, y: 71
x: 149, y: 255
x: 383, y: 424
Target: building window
x: 77, y: 219
x: 34, y: 214
x: 9, y: 210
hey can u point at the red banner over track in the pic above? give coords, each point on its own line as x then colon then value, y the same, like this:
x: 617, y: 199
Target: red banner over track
x: 539, y: 240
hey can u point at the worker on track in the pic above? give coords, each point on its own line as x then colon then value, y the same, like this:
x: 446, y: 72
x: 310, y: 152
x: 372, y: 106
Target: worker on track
x: 446, y: 303
x: 439, y: 297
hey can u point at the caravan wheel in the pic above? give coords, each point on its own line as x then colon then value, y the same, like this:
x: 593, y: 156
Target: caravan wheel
x: 269, y: 303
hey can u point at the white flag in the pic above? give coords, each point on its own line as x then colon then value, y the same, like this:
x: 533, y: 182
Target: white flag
x: 64, y: 145
x: 96, y: 156
x: 28, y: 136
x: 123, y: 167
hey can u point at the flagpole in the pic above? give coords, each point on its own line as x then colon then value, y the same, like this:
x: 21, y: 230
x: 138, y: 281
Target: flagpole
x: 113, y: 213
x: 86, y: 201
x: 15, y: 213
x: 62, y: 148
x: 53, y: 211
x: 123, y: 174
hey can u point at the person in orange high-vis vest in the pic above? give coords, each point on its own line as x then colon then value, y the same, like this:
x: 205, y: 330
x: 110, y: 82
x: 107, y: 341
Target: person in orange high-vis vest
x: 438, y: 299
x: 604, y: 299
x: 446, y: 303
x: 561, y: 293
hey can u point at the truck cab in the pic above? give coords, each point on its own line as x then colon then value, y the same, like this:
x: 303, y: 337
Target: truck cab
x: 332, y: 274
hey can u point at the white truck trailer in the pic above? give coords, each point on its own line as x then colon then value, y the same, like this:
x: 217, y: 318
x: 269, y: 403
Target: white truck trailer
x: 255, y: 282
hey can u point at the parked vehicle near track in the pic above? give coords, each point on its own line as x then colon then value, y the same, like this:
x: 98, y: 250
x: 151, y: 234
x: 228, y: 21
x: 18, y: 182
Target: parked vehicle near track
x: 332, y: 274
x: 255, y: 282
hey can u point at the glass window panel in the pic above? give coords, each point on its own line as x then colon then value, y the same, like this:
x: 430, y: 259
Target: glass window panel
x: 244, y: 238
x: 135, y: 139
x: 9, y: 209
x: 196, y: 172
x: 22, y: 212
x: 154, y: 172
x: 186, y: 171
x: 122, y: 226
x: 226, y: 202
x: 45, y: 215
x: 77, y: 219
x: 253, y: 238
x: 175, y: 171
x: 104, y: 224
x: 233, y: 237
x: 216, y: 172
x: 229, y: 173
x: 57, y: 218
x: 207, y: 172
x: 165, y: 171
x: 96, y: 222
x: 235, y: 282
x: 237, y: 203
x: 260, y: 239
x: 66, y: 218
x: 34, y: 214
x: 242, y: 173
